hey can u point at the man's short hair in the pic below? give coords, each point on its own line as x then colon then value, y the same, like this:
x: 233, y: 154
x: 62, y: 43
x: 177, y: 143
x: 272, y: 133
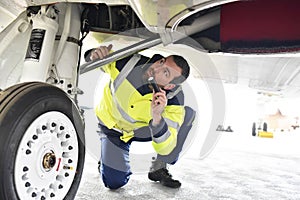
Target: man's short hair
x: 183, y: 64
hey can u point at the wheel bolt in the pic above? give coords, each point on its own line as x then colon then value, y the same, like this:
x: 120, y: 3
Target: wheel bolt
x: 61, y: 128
x: 43, y: 198
x: 52, y: 195
x: 70, y: 161
x: 34, y: 137
x: 44, y: 127
x: 60, y: 186
x: 53, y: 124
x: 25, y: 169
x: 67, y: 136
x: 33, y: 194
x: 70, y: 147
x: 27, y: 184
x: 28, y: 151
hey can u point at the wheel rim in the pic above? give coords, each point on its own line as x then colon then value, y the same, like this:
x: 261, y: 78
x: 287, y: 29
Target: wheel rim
x: 46, y: 158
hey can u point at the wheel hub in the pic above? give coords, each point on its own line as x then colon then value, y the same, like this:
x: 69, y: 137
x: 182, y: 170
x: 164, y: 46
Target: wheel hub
x: 47, y: 158
x: 49, y: 161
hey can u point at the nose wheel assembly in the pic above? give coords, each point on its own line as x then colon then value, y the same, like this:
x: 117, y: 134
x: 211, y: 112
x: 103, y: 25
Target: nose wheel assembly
x: 42, y: 143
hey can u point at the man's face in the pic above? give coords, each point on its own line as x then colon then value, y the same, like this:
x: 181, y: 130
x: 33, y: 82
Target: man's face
x: 163, y: 71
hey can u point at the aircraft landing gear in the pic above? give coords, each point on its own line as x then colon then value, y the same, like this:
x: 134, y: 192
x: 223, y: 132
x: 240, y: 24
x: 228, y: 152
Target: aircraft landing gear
x: 41, y: 143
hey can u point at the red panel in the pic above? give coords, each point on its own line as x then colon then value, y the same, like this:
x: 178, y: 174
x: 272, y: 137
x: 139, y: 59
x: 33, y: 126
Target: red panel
x: 260, y: 20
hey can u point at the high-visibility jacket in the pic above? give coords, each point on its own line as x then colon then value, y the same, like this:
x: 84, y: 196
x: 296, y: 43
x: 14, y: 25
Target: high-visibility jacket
x: 127, y: 108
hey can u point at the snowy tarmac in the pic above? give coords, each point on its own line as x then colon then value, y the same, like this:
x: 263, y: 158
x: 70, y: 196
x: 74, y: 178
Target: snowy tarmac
x: 241, y: 167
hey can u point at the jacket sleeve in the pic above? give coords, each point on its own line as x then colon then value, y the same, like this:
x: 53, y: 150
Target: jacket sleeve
x: 165, y: 134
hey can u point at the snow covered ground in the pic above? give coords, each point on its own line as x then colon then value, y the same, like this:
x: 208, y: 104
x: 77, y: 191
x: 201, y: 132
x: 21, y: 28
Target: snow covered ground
x: 238, y: 168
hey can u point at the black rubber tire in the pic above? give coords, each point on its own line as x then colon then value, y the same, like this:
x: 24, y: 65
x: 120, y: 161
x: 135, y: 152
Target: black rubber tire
x: 20, y: 105
x: 254, y: 129
x: 265, y: 127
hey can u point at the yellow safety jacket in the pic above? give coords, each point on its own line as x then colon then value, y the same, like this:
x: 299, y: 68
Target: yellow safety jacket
x: 126, y: 109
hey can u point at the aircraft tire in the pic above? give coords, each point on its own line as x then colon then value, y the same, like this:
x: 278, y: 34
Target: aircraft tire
x: 254, y: 129
x: 42, y: 146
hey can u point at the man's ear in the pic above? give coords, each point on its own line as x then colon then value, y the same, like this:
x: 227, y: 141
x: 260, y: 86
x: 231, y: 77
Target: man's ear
x: 169, y: 86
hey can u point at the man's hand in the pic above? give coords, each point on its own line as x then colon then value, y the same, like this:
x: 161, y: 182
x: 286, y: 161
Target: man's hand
x: 159, y: 102
x: 100, y: 52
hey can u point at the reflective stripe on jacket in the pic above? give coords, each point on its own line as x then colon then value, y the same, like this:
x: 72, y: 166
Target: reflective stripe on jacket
x: 126, y: 109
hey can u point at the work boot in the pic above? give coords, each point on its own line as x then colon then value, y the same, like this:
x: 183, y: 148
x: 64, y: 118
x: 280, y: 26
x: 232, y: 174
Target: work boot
x: 159, y: 172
